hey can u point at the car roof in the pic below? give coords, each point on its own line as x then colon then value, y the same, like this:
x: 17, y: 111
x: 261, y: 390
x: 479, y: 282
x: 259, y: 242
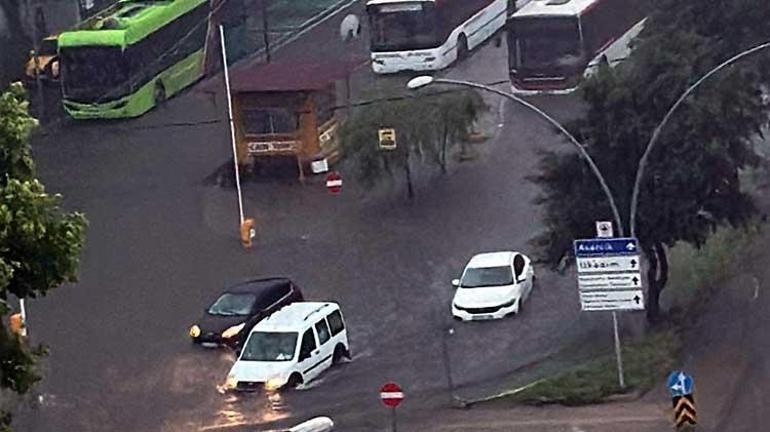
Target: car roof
x: 258, y: 286
x: 491, y: 259
x: 295, y: 316
x: 554, y: 8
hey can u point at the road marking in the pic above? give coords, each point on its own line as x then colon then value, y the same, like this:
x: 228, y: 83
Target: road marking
x: 756, y: 288
x: 506, y: 393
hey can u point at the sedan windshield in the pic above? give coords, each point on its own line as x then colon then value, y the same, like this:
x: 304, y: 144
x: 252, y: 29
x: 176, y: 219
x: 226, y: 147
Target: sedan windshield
x: 270, y: 346
x: 48, y: 47
x: 230, y: 304
x: 487, y: 277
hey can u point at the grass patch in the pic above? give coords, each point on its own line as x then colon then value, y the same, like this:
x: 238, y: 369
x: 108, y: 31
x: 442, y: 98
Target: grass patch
x: 645, y: 362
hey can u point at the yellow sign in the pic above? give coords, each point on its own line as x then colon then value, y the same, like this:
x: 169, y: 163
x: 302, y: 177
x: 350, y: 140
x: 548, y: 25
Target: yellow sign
x: 387, y: 139
x: 684, y: 411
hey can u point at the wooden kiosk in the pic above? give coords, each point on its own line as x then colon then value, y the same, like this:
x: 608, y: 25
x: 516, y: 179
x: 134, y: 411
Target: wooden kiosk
x: 288, y: 110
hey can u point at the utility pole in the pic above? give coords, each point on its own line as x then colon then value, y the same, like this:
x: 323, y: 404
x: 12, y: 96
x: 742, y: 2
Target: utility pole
x: 232, y: 125
x: 265, y: 30
x: 32, y: 24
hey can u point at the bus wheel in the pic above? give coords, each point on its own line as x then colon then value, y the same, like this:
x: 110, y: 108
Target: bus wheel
x: 462, y: 47
x: 159, y: 94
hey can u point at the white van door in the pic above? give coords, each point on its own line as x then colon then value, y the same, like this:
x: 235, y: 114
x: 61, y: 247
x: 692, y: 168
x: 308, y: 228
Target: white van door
x: 326, y: 347
x: 309, y: 360
x: 337, y: 328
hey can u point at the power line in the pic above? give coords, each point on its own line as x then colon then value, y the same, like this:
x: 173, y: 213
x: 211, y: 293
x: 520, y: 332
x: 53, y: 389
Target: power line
x: 334, y: 108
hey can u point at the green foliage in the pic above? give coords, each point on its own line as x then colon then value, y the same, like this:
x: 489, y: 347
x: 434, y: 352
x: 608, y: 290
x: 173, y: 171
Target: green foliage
x: 40, y: 244
x: 426, y: 125
x: 16, y: 125
x: 692, y: 184
x: 645, y: 363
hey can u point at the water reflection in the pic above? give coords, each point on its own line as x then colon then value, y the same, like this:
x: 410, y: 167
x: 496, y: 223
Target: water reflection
x: 249, y: 409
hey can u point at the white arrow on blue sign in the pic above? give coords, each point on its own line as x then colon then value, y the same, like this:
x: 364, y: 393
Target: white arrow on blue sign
x: 680, y: 384
x: 591, y: 248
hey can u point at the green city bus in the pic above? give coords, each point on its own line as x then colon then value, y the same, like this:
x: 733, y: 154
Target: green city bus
x: 131, y: 57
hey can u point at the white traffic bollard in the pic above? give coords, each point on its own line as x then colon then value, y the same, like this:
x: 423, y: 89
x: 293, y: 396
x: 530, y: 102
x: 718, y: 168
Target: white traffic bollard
x: 318, y: 424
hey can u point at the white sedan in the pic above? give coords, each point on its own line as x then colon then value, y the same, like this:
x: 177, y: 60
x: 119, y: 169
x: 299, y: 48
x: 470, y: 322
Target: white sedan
x: 492, y: 286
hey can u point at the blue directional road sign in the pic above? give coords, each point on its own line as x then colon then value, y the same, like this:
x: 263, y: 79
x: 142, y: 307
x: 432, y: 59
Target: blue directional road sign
x: 680, y: 384
x: 609, y: 274
x: 600, y: 247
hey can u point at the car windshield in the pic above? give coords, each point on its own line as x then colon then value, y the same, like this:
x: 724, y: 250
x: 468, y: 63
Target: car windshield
x: 94, y: 74
x: 487, y: 277
x: 230, y: 304
x: 540, y: 43
x: 403, y: 26
x: 48, y: 47
x: 270, y: 346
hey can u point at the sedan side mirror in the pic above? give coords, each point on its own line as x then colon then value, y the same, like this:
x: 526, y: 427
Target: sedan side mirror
x: 456, y: 283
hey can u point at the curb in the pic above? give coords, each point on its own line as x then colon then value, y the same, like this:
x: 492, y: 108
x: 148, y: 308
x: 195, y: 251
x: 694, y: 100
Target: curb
x: 467, y: 403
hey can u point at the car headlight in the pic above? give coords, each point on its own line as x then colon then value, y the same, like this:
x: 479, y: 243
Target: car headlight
x: 195, y: 331
x: 509, y: 304
x: 231, y: 382
x: 274, y: 384
x: 233, y: 331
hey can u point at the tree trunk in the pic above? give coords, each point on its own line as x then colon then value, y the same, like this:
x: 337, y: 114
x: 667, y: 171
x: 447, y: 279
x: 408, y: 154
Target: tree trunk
x: 653, y: 291
x: 444, y: 138
x: 662, y: 265
x: 408, y: 172
x: 657, y: 278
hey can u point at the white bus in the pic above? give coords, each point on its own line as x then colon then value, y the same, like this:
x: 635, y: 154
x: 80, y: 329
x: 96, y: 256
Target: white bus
x: 420, y: 35
x: 554, y: 44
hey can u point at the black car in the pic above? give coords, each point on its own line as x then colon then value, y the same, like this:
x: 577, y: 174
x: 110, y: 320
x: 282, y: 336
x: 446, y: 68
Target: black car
x: 239, y: 308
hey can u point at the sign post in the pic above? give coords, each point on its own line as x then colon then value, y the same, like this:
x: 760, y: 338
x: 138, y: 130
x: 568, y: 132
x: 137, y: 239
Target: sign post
x: 610, y: 279
x: 392, y: 395
x: 681, y: 387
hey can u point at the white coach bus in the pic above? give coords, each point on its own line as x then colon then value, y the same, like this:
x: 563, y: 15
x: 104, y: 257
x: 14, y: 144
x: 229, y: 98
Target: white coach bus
x: 421, y: 35
x: 554, y: 44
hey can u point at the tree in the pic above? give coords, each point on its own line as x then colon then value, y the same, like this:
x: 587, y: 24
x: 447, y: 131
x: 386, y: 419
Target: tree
x: 40, y: 244
x: 427, y: 126
x: 692, y: 183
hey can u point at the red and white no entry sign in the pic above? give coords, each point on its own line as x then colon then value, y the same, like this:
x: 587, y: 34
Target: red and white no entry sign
x: 334, y: 183
x: 391, y: 395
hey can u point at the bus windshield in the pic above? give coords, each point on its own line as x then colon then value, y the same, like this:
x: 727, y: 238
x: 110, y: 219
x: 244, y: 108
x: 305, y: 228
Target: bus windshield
x: 93, y: 74
x: 546, y: 43
x: 403, y: 26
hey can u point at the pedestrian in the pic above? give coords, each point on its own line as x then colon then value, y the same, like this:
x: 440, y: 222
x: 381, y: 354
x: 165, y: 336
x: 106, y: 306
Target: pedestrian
x: 17, y: 326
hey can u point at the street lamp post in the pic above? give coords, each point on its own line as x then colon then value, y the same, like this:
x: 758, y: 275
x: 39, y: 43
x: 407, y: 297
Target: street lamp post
x: 425, y: 80
x: 446, y: 334
x: 656, y: 134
